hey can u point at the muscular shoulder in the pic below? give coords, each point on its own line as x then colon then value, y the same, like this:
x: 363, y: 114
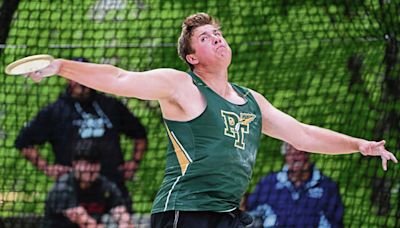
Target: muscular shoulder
x: 261, y: 100
x: 186, y: 103
x: 181, y: 82
x: 176, y: 77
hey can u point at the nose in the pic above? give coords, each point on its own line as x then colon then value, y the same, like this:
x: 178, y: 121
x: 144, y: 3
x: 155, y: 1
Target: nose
x: 216, y: 39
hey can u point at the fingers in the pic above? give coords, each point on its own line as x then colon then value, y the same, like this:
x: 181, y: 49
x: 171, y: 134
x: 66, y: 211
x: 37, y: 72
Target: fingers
x: 393, y: 158
x: 380, y: 143
x: 36, y: 76
x: 390, y: 156
x: 36, y: 79
x: 384, y: 164
x: 387, y: 156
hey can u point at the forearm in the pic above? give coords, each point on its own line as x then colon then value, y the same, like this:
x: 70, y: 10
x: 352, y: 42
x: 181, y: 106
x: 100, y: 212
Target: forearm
x: 32, y: 155
x: 321, y: 140
x: 98, y: 76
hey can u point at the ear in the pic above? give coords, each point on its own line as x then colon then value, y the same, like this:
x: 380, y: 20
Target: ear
x: 192, y: 59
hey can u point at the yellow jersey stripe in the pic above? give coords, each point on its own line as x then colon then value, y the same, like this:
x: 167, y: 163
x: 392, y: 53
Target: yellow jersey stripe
x: 183, y: 158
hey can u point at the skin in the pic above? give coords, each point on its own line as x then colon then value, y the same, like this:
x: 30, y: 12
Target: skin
x: 180, y: 99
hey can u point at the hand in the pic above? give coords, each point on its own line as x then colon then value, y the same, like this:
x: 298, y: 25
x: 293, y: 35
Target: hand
x: 52, y: 69
x: 56, y: 170
x: 129, y: 168
x: 372, y: 148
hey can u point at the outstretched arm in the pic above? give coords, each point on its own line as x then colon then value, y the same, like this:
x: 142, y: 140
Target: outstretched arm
x: 315, y: 139
x: 149, y: 85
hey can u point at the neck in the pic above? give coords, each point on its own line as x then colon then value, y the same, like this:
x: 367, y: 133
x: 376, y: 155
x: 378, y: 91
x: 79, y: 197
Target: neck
x: 217, y: 80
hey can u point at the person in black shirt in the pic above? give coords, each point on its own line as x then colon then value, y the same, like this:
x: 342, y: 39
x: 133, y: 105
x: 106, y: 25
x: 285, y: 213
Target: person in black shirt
x: 82, y: 197
x: 82, y: 113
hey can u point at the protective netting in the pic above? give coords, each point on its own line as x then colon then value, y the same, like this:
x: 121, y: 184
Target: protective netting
x: 333, y: 64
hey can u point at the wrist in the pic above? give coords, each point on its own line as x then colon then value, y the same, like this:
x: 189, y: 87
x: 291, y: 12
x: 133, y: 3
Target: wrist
x: 355, y: 144
x: 59, y: 63
x: 360, y: 144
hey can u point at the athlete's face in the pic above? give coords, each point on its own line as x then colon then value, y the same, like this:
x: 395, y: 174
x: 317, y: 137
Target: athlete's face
x: 210, y: 47
x: 86, y: 171
x: 296, y: 160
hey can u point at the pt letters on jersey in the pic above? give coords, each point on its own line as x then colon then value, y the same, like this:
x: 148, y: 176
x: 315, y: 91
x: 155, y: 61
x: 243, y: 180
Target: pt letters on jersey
x: 236, y: 126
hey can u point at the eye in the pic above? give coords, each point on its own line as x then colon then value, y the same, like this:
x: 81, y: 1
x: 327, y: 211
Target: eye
x: 203, y: 38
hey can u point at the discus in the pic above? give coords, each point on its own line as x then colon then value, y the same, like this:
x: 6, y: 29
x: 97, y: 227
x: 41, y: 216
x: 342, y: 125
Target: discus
x: 29, y: 64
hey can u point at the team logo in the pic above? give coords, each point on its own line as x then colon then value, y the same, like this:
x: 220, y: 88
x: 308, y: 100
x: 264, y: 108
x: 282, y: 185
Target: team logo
x: 237, y: 126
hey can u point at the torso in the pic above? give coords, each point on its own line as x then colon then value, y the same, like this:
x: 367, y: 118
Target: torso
x: 210, y: 156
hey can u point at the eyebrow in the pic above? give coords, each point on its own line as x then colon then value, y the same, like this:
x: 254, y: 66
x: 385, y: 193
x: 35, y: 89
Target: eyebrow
x: 203, y: 33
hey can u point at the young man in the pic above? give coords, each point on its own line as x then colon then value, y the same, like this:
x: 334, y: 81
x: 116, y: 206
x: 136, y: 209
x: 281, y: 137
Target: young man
x: 213, y: 127
x: 84, y: 198
x: 297, y: 196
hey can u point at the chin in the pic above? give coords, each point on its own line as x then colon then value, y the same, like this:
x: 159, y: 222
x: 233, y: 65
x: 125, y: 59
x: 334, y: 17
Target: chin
x: 228, y: 62
x: 226, y: 57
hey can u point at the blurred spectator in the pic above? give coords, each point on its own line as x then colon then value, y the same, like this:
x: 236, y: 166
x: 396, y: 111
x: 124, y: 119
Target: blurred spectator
x: 82, y: 113
x: 82, y: 197
x: 297, y: 196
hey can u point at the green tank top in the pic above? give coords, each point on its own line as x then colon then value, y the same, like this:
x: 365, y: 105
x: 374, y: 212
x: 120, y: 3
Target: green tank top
x: 210, y: 158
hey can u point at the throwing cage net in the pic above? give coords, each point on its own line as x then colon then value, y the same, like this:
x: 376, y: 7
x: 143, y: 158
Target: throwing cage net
x: 333, y: 64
